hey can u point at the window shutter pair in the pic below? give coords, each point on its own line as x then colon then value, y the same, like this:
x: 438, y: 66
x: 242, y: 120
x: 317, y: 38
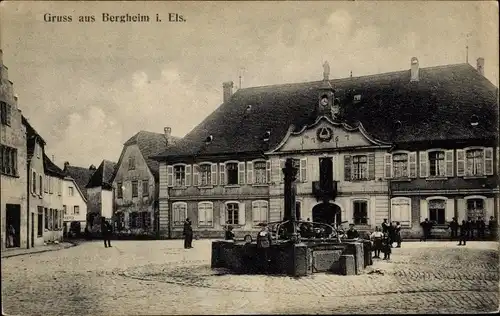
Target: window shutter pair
x: 213, y: 171
x: 196, y: 175
x: 388, y: 166
x: 460, y: 162
x: 448, y: 159
x: 250, y: 178
x: 348, y: 164
x: 222, y: 173
x: 241, y: 173
x: 423, y: 158
x: 488, y: 161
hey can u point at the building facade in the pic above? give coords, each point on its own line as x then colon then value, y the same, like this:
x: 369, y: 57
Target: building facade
x: 401, y: 146
x: 100, y: 195
x: 135, y: 183
x: 13, y: 172
x: 53, y: 202
x: 74, y: 206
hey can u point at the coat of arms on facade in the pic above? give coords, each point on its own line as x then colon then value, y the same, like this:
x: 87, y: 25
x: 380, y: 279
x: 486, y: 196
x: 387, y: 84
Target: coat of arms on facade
x: 324, y: 134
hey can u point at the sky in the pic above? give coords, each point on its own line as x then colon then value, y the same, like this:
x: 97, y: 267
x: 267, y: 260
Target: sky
x: 88, y: 87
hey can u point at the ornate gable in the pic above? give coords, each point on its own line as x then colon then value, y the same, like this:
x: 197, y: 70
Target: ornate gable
x: 325, y: 134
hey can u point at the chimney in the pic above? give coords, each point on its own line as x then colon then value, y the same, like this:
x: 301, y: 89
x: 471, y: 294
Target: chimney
x: 227, y: 88
x: 66, y: 165
x: 414, y: 69
x: 167, y: 131
x: 480, y: 65
x: 92, y: 168
x: 53, y: 159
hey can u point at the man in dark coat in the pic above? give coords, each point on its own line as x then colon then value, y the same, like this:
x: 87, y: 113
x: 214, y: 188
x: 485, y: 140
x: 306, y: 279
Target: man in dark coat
x: 188, y: 234
x: 470, y: 228
x: 492, y: 227
x: 463, y: 233
x: 352, y: 233
x: 426, y: 229
x: 264, y: 241
x: 229, y: 233
x: 454, y: 228
x: 107, y: 231
x: 385, y: 226
x: 481, y: 227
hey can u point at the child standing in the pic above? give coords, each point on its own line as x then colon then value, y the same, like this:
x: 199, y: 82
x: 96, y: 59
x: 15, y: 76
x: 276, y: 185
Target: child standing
x: 386, y: 247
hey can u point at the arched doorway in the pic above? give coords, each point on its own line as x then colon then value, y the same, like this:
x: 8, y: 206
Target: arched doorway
x: 327, y: 213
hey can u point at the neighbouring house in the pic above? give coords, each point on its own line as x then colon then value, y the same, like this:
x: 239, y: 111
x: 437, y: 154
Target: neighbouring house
x: 75, y: 197
x: 136, y: 182
x: 13, y: 170
x: 53, y: 201
x: 100, y: 195
x: 403, y: 146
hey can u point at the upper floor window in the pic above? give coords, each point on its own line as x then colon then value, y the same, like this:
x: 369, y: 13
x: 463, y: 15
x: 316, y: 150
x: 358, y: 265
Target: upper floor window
x: 40, y: 180
x: 360, y: 212
x: 76, y: 210
x: 360, y: 167
x: 400, y: 165
x: 119, y: 190
x: 179, y: 176
x: 259, y: 212
x: 232, y: 215
x: 65, y: 210
x: 436, y: 164
x: 131, y: 163
x: 71, y: 191
x: 33, y: 182
x: 5, y: 113
x: 475, y: 161
x: 205, y: 175
x: 145, y: 188
x: 8, y: 160
x: 437, y: 211
x: 232, y: 173
x: 179, y: 213
x: 205, y: 214
x: 135, y: 189
x: 260, y: 172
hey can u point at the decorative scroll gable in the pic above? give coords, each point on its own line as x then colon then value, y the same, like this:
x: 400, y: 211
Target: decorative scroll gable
x: 325, y: 134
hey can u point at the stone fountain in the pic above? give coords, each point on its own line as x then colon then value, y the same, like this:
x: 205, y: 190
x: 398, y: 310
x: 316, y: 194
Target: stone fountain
x: 292, y: 254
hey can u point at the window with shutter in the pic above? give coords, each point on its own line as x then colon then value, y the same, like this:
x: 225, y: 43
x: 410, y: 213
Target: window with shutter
x: 188, y: 176
x: 222, y: 174
x: 241, y: 173
x: 179, y: 213
x: 259, y: 212
x: 401, y: 211
x: 145, y: 187
x: 360, y: 212
x: 40, y: 180
x: 214, y: 174
x: 268, y: 171
x: 436, y: 164
x: 205, y: 214
x: 388, y: 166
x: 260, y: 172
x: 232, y: 173
x: 460, y: 162
x: 232, y: 213
x: 119, y: 190
x: 371, y: 166
x: 170, y: 176
x: 179, y: 176
x: 449, y: 162
x: 303, y: 170
x: 250, y: 179
x: 437, y: 211
x: 412, y: 164
x: 281, y: 175
x: 488, y: 161
x: 135, y: 189
x: 474, y: 162
x: 199, y: 173
x: 400, y: 165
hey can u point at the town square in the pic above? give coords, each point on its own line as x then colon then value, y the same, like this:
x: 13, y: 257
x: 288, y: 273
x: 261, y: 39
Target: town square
x: 342, y: 158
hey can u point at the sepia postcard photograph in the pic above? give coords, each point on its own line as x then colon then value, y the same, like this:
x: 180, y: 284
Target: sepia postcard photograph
x: 249, y: 157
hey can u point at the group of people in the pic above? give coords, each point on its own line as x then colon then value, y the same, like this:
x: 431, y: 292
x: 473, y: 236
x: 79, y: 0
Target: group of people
x: 466, y: 230
x: 383, y: 239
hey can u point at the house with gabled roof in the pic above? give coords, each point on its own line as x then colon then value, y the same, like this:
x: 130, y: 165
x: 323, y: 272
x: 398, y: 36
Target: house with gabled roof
x: 136, y: 182
x: 75, y: 197
x: 53, y: 200
x: 402, y: 146
x: 100, y: 195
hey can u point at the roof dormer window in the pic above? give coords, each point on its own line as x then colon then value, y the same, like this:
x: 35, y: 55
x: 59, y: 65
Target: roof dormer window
x: 357, y: 97
x: 266, y: 136
x: 209, y: 139
x: 474, y: 120
x: 249, y: 108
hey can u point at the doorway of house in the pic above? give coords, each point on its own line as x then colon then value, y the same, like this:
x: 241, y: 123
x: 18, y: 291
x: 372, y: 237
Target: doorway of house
x: 13, y: 224
x: 327, y: 213
x: 32, y: 229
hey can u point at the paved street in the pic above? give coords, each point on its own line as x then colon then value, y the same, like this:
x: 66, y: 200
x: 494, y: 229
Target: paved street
x: 159, y: 277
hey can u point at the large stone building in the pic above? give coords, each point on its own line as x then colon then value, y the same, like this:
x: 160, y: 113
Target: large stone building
x: 403, y: 146
x: 136, y: 182
x: 13, y: 174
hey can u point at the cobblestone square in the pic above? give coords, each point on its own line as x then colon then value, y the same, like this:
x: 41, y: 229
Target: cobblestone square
x: 160, y: 277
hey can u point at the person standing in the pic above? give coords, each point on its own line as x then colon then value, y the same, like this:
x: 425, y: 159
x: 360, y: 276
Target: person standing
x: 462, y: 241
x: 385, y: 226
x: 397, y: 234
x: 264, y: 241
x: 481, y: 227
x: 11, y: 236
x: 470, y: 228
x: 426, y: 229
x: 391, y: 233
x: 188, y: 234
x: 386, y: 247
x: 106, y: 230
x: 454, y: 228
x: 492, y: 228
x: 229, y: 233
x: 376, y: 238
x: 352, y: 233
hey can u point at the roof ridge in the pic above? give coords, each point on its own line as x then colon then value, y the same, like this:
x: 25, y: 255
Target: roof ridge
x: 353, y: 77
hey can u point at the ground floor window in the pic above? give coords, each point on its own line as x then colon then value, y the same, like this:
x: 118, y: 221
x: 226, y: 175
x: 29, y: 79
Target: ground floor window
x: 205, y: 214
x: 232, y: 213
x: 120, y: 221
x: 437, y: 211
x: 46, y: 213
x: 145, y: 218
x: 360, y: 212
x: 179, y: 213
x: 259, y: 212
x: 401, y: 211
x: 39, y: 231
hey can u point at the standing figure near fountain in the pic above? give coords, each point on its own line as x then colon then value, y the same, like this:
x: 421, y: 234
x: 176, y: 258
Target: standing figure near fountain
x: 352, y: 233
x: 188, y: 234
x: 264, y: 241
x: 376, y: 237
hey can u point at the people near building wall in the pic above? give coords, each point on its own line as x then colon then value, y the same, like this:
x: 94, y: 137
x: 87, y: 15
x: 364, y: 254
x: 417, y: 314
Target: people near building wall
x: 385, y: 226
x: 426, y: 229
x: 264, y: 241
x: 453, y: 226
x: 470, y: 228
x: 107, y: 231
x: 462, y: 241
x: 480, y: 227
x: 376, y: 239
x: 493, y: 228
x: 11, y: 242
x: 391, y: 233
x: 188, y: 234
x: 229, y: 235
x: 386, y: 247
x: 397, y: 235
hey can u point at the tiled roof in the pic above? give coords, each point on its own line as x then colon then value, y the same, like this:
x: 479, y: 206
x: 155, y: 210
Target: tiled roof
x: 51, y: 168
x: 31, y: 130
x: 437, y: 107
x: 103, y: 176
x: 149, y: 144
x: 81, y: 177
